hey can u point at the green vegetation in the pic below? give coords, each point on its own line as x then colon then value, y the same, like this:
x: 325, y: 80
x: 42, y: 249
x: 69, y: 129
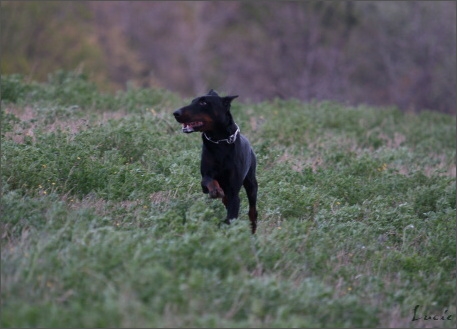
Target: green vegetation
x: 104, y: 223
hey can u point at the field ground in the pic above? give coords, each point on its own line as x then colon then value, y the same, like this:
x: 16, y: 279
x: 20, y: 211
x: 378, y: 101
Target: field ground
x: 104, y: 223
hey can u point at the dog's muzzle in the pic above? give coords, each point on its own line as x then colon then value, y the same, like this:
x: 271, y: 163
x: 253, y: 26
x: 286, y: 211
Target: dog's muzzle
x: 187, y: 127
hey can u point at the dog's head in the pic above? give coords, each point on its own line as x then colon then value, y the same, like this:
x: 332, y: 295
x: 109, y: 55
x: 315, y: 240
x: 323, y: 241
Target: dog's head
x: 205, y: 113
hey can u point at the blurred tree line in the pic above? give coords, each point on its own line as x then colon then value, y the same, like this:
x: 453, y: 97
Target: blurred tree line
x: 382, y: 53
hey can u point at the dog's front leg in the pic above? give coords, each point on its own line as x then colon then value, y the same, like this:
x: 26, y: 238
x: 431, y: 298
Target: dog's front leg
x: 232, y: 203
x: 211, y: 186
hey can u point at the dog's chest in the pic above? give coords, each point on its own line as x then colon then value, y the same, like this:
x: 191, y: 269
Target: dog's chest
x: 235, y: 159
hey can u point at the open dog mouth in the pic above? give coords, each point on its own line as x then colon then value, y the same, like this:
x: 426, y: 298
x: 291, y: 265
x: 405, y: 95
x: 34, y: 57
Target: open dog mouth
x: 189, y: 127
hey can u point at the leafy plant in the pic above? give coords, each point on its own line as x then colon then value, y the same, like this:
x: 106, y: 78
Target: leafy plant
x: 102, y: 206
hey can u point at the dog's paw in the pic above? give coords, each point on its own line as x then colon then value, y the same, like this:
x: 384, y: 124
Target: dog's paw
x: 228, y: 221
x: 216, y: 193
x: 212, y: 187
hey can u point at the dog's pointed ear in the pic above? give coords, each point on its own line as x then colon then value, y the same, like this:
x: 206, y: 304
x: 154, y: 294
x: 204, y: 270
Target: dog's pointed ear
x: 211, y: 92
x: 228, y: 99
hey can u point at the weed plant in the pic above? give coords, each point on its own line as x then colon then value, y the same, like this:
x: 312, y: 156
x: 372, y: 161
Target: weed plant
x: 104, y: 223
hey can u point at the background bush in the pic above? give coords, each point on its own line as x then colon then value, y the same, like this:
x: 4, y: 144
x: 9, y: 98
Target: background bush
x: 379, y: 53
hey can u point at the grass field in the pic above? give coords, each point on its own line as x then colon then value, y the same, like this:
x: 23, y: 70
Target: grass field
x: 104, y: 223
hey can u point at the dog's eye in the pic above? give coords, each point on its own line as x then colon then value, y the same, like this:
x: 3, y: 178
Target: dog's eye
x: 202, y: 103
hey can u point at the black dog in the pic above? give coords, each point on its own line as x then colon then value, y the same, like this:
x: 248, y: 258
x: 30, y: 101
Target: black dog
x: 228, y: 161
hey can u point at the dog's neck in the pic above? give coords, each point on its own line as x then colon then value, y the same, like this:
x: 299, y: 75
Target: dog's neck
x: 229, y: 136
